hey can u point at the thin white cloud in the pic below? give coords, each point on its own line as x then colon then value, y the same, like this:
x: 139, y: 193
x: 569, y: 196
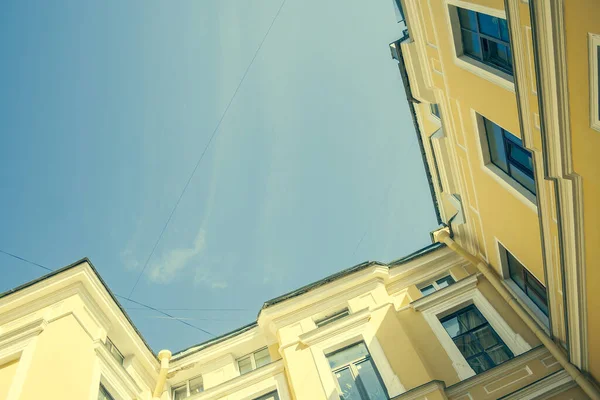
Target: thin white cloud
x: 174, y: 261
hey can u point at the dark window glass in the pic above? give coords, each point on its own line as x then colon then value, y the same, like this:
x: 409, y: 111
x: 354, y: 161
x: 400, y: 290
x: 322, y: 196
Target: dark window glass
x: 269, y: 396
x: 478, y: 343
x: 103, y: 394
x: 445, y: 281
x: 435, y: 110
x: 468, y: 19
x: 527, y: 282
x: 598, y: 72
x: 486, y: 39
x: 332, y: 318
x: 508, y: 154
x: 356, y: 374
x: 427, y: 290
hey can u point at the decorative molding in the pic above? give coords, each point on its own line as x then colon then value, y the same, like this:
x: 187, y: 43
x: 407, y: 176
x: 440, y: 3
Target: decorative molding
x: 438, y: 298
x: 553, y: 384
x: 496, y: 373
x: 594, y: 47
x: 548, y: 25
x: 242, y: 382
x: 331, y: 330
x: 422, y: 391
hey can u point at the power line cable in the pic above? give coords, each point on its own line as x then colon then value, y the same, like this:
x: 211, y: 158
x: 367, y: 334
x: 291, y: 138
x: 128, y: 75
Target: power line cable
x: 212, y: 136
x: 122, y: 297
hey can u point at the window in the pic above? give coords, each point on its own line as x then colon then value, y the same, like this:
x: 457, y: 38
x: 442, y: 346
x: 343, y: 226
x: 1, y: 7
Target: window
x: 114, y: 351
x: 356, y: 374
x: 594, y: 62
x: 269, y: 396
x: 254, y: 360
x: 479, y: 344
x: 332, y: 318
x: 485, y: 38
x: 188, y: 388
x: 437, y: 285
x: 532, y: 288
x: 507, y: 153
x: 103, y: 394
x: 435, y: 110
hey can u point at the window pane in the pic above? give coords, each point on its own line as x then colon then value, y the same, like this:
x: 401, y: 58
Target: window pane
x: 332, y: 318
x: 347, y: 385
x: 471, y: 45
x: 348, y: 354
x: 470, y: 319
x: 452, y: 327
x: 496, y: 144
x: 245, y: 365
x: 468, y: 345
x: 498, y: 55
x: 370, y: 381
x: 427, y: 290
x: 500, y: 354
x: 269, y: 396
x: 445, y: 281
x: 468, y: 19
x: 262, y: 357
x: 515, y: 270
x: 480, y: 363
x: 520, y: 158
x: 180, y: 393
x: 103, y: 394
x: 504, y: 30
x: 489, y: 25
x: 435, y: 110
x: 196, y: 385
x: 524, y: 179
x: 486, y: 337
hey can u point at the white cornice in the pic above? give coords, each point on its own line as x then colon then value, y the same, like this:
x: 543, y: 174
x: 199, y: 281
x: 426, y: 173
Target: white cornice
x: 551, y: 385
x: 422, y: 391
x: 241, y: 382
x: 328, y: 331
x: 442, y: 296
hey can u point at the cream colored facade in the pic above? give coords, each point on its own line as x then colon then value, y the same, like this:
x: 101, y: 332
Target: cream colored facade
x: 65, y: 336
x: 54, y: 334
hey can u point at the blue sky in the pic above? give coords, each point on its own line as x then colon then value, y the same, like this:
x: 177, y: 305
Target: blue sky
x: 106, y: 107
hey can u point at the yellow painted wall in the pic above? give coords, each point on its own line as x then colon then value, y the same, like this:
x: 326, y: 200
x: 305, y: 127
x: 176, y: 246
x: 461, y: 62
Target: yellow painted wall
x: 583, y: 17
x: 62, y: 363
x: 7, y: 373
x: 400, y: 350
x: 492, y: 210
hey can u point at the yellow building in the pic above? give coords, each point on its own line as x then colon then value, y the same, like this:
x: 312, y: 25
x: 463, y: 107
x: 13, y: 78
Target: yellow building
x: 504, y: 95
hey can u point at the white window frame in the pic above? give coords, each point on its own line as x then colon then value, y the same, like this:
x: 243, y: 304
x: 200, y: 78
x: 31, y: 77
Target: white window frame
x: 594, y: 45
x: 342, y: 333
x: 534, y: 310
x: 252, y: 360
x: 186, y: 384
x: 456, y: 297
x: 478, y: 68
x: 506, y: 181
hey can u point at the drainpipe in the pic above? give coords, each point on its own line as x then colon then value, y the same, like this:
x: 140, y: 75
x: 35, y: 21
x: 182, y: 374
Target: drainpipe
x: 443, y: 236
x: 163, y: 356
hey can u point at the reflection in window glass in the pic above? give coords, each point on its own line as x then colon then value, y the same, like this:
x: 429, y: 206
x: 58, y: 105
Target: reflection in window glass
x: 477, y: 341
x: 486, y: 38
x: 527, y: 282
x: 356, y: 374
x: 103, y: 394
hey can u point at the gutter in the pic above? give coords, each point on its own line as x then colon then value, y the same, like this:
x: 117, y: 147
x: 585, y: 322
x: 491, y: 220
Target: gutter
x: 164, y: 356
x: 443, y: 235
x: 411, y: 105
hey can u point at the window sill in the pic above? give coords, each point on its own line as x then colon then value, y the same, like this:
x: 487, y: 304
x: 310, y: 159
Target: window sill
x: 515, y: 188
x: 486, y: 72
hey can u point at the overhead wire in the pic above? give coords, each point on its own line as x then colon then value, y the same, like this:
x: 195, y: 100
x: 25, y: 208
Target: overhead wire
x: 212, y: 136
x: 122, y: 297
